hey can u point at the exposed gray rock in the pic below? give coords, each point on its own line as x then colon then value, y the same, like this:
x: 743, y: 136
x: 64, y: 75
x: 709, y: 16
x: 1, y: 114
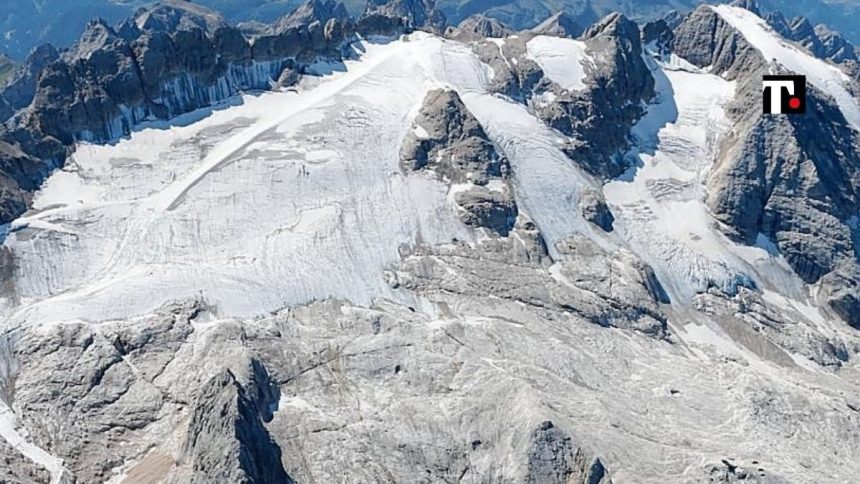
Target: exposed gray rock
x: 20, y: 86
x: 728, y: 473
x: 609, y: 290
x: 819, y: 40
x: 448, y: 139
x: 313, y: 11
x: 15, y: 468
x: 479, y: 27
x: 495, y: 210
x: 96, y: 381
x: 554, y: 458
x: 394, y: 17
x: 227, y: 440
x: 517, y: 81
x: 704, y: 39
x: 659, y: 34
x: 597, y: 120
x: 174, y: 15
x: 595, y: 210
x: 559, y: 25
x: 842, y: 293
x: 792, y: 178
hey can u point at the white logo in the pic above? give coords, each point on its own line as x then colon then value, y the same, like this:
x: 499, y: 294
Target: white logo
x: 776, y: 93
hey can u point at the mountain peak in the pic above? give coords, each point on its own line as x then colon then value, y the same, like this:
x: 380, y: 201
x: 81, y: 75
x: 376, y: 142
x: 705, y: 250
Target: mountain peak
x: 559, y: 25
x: 312, y: 11
x: 173, y: 15
x: 391, y: 16
x: 478, y: 27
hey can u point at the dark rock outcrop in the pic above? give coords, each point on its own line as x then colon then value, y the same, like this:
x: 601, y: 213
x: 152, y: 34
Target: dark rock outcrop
x: 559, y: 25
x: 598, y: 119
x: 554, y: 458
x: 495, y: 210
x: 394, y: 17
x: 227, y: 440
x: 819, y: 40
x: 20, y: 86
x: 448, y: 140
x: 659, y: 34
x: 479, y: 27
x: 596, y: 211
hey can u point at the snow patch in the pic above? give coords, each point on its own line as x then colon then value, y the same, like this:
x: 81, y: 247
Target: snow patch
x: 562, y: 60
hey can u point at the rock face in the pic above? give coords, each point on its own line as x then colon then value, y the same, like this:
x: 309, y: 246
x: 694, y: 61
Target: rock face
x: 20, y: 86
x: 447, y: 140
x: 479, y: 27
x: 15, y: 468
x: 820, y: 40
x: 595, y: 210
x: 792, y: 179
x: 559, y: 25
x: 227, y: 440
x: 598, y: 119
x: 553, y: 458
x: 393, y: 17
x: 174, y: 15
x: 314, y: 11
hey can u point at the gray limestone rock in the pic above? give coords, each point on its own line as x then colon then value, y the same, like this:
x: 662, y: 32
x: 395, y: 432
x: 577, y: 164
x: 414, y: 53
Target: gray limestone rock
x: 495, y: 210
x: 96, y: 381
x: 595, y: 210
x: 559, y: 25
x: 553, y: 458
x: 313, y: 11
x: 227, y: 440
x: 448, y: 139
x: 394, y: 17
x: 15, y: 468
x: 173, y: 15
x: 819, y: 40
x: 478, y: 27
x: 598, y: 119
x: 704, y: 39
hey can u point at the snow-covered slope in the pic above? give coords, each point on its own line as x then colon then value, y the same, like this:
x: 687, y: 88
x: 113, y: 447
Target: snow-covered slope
x: 562, y: 60
x: 399, y: 340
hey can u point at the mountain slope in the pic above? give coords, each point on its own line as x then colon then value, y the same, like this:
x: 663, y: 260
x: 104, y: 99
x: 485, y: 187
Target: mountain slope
x: 514, y: 259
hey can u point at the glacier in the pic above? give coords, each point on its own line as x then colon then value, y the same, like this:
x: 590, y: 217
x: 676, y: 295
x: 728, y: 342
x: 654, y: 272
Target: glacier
x: 282, y: 216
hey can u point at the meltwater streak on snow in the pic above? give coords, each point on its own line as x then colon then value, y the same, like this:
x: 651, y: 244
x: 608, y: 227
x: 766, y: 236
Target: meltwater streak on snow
x: 285, y: 199
x: 562, y: 60
x: 826, y: 77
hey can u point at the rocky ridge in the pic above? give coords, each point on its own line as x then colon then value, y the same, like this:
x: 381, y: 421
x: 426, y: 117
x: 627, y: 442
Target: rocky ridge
x: 791, y: 179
